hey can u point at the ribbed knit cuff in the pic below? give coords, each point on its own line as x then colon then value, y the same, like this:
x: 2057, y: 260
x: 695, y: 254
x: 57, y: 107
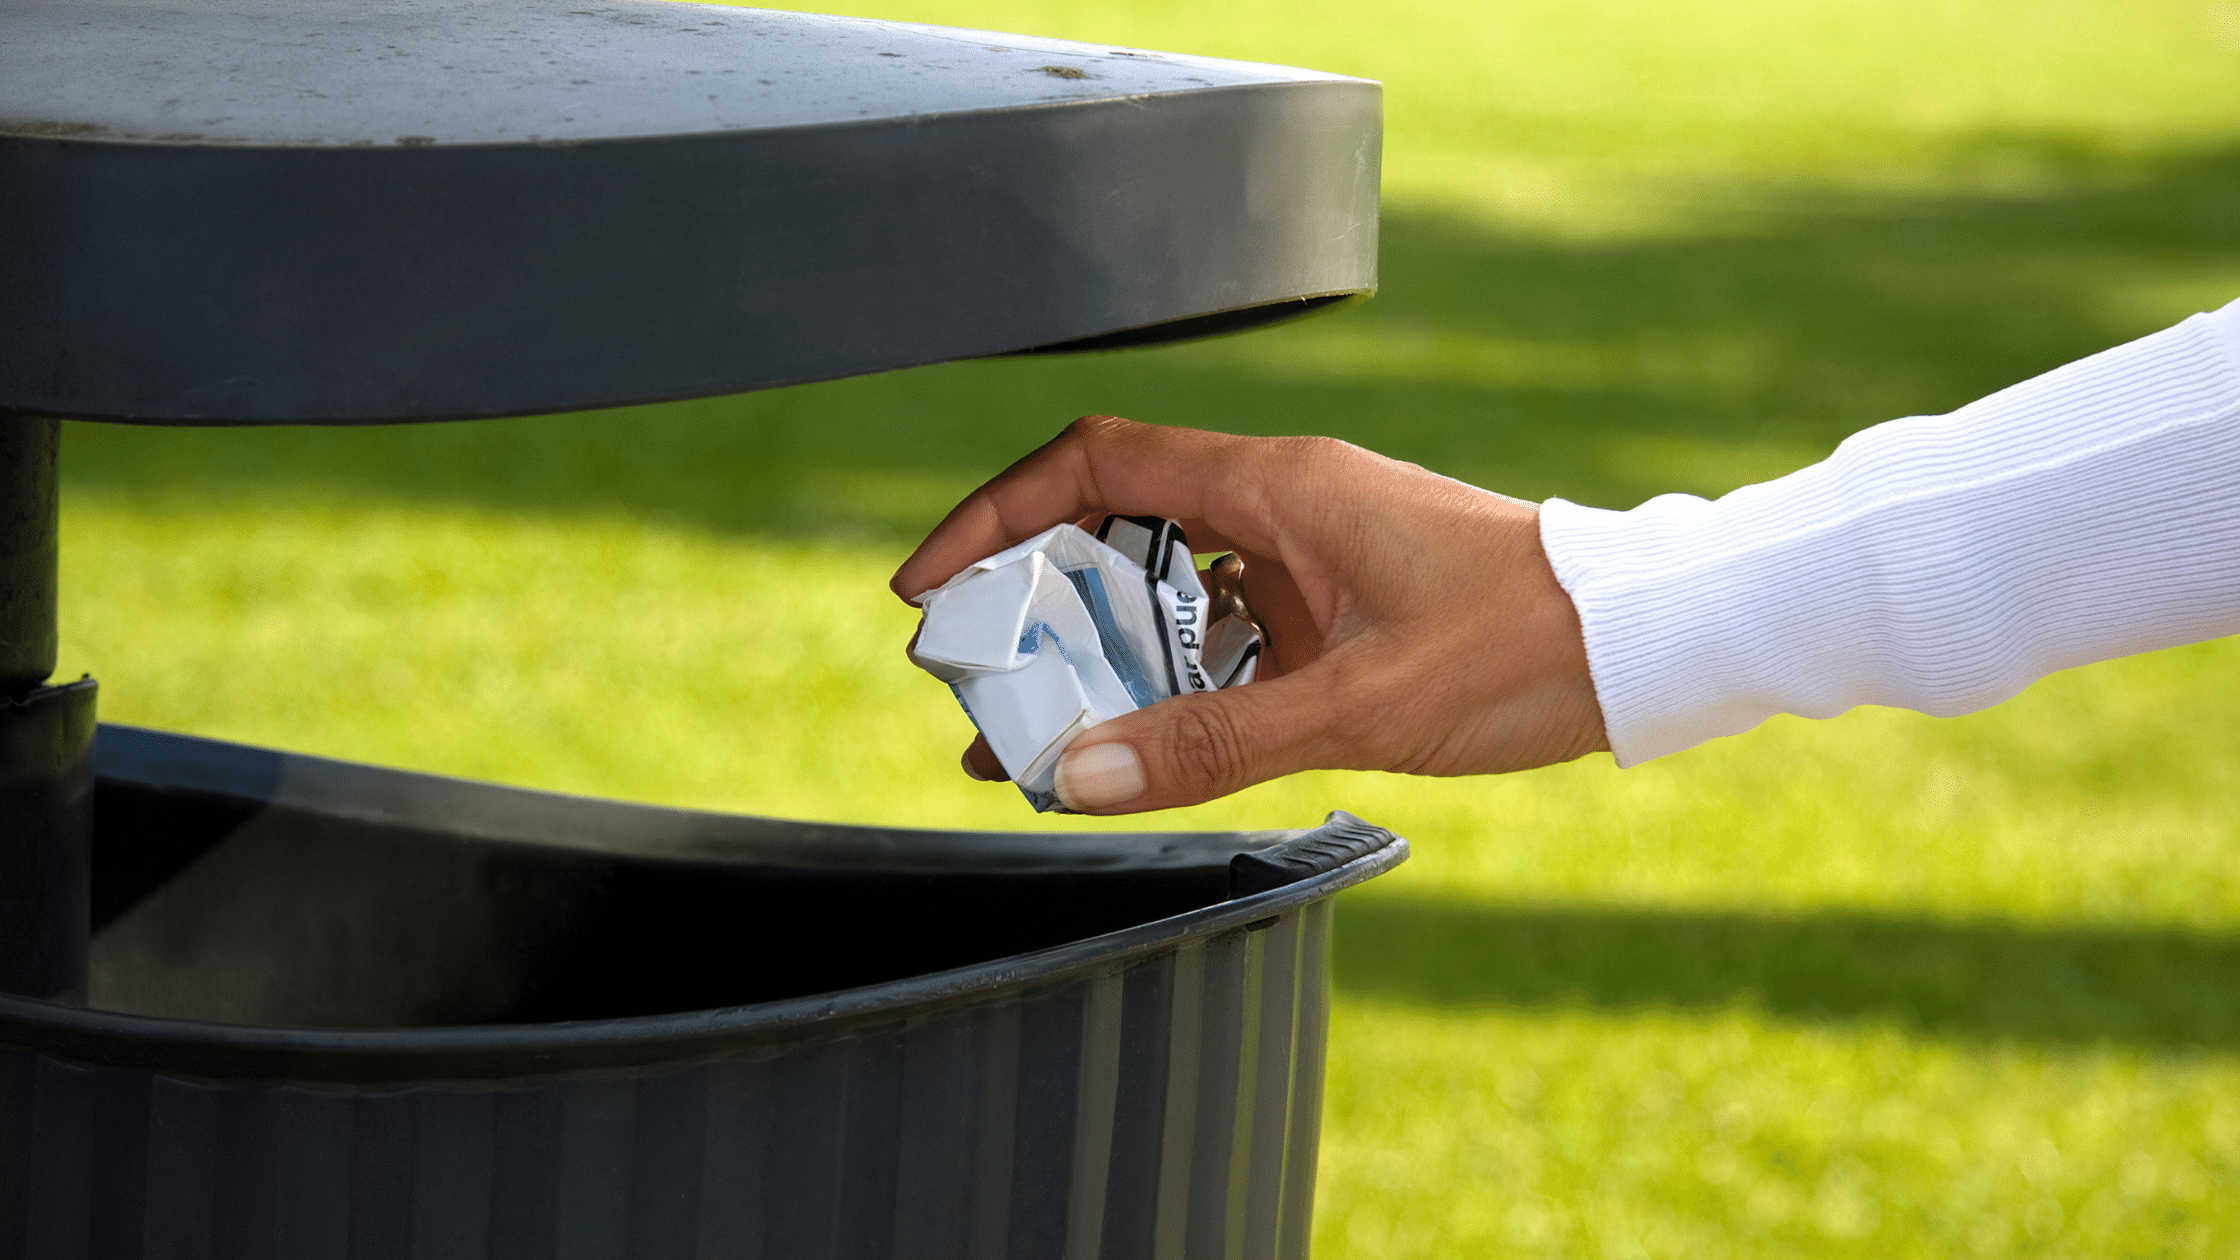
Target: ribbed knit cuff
x: 1935, y: 563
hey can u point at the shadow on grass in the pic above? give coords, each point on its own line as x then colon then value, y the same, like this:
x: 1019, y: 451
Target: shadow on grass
x: 1770, y: 322
x: 2005, y: 981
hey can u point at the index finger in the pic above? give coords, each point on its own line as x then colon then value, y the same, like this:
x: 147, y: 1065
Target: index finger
x: 1102, y: 464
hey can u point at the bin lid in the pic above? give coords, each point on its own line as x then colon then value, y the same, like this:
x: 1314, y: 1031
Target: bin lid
x: 311, y: 211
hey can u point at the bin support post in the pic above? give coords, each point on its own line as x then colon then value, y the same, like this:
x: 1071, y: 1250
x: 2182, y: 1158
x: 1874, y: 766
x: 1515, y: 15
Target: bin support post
x: 46, y: 735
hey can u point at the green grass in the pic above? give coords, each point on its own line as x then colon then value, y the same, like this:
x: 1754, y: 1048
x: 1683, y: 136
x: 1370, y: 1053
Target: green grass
x: 1881, y: 986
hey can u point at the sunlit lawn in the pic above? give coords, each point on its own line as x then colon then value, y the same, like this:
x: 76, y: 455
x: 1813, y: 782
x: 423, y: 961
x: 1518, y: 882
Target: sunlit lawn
x: 1881, y: 986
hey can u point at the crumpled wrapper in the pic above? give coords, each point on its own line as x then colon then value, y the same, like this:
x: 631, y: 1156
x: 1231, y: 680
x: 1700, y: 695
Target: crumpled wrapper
x: 1044, y: 640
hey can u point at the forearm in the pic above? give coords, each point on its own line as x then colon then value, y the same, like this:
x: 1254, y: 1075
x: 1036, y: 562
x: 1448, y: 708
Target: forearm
x: 1935, y: 563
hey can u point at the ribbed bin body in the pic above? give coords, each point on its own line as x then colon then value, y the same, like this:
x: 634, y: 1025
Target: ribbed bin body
x: 1164, y: 1108
x: 1151, y: 1091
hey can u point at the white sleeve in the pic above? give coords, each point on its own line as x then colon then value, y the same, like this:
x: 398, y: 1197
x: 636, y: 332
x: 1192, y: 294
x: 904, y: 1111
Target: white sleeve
x: 1938, y: 563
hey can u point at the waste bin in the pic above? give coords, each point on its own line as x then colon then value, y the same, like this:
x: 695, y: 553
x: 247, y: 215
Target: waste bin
x: 260, y: 1004
x: 339, y: 1010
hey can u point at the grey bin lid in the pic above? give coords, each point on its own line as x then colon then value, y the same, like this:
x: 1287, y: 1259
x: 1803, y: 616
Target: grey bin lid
x: 331, y: 212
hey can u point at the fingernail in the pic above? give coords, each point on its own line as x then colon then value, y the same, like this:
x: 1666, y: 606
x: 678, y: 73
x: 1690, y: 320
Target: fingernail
x: 1098, y: 776
x: 966, y: 762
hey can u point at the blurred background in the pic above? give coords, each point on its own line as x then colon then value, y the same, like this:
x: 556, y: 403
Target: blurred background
x: 1880, y: 986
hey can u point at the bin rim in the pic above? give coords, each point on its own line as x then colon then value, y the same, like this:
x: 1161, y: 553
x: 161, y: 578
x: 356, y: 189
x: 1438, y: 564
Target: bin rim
x: 371, y: 1057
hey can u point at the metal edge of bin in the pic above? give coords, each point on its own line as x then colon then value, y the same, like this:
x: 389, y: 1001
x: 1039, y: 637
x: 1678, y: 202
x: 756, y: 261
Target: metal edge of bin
x: 194, y: 1048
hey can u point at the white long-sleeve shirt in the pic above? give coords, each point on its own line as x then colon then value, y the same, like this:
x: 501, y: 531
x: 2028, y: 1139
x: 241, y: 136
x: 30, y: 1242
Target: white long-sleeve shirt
x: 1938, y: 563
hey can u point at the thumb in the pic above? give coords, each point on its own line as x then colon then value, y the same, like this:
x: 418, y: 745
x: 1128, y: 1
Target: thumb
x: 1193, y: 748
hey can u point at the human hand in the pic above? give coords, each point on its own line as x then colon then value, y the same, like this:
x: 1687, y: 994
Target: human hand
x: 1415, y: 623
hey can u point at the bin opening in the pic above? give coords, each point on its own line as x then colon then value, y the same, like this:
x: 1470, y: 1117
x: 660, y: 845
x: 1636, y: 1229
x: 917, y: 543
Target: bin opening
x: 214, y: 908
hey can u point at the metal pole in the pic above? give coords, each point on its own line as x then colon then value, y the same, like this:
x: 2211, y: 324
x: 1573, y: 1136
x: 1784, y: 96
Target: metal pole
x: 29, y: 451
x: 46, y: 735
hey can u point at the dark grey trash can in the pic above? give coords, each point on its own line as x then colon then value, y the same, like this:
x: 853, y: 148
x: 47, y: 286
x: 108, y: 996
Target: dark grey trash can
x: 384, y: 1014
x: 255, y: 1004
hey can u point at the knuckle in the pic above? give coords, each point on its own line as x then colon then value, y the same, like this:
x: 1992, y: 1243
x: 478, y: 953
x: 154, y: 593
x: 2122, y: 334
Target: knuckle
x: 1099, y: 429
x: 1205, y: 751
x: 1297, y: 462
x: 1320, y: 451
